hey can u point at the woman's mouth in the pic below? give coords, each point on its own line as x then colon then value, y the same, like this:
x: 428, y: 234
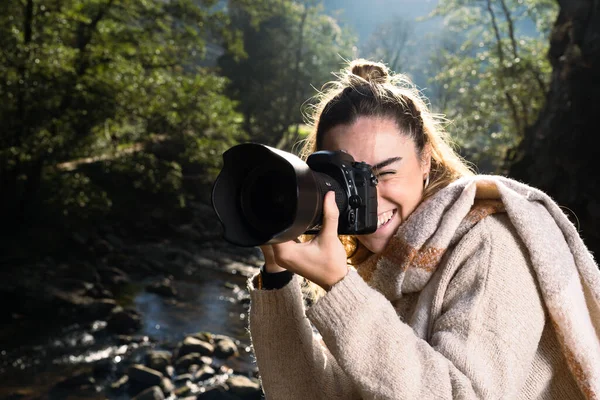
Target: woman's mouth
x: 384, y: 218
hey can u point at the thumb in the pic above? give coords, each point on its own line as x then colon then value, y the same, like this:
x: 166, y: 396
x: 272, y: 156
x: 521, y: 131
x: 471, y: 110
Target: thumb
x: 331, y: 214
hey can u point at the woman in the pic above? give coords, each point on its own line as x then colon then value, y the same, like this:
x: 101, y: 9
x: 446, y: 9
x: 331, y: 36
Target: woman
x: 471, y: 287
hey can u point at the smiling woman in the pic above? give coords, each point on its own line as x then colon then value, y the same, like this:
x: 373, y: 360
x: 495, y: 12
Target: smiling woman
x: 470, y: 287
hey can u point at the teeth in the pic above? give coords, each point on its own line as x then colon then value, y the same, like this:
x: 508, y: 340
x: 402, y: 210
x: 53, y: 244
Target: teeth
x: 383, y: 218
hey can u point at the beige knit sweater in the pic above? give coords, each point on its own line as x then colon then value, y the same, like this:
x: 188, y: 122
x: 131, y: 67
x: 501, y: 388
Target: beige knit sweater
x: 472, y: 323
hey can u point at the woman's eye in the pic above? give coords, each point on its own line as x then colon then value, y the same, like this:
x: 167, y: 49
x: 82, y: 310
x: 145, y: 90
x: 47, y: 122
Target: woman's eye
x: 384, y: 173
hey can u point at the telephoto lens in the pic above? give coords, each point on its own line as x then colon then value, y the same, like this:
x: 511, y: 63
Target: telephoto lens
x: 263, y: 195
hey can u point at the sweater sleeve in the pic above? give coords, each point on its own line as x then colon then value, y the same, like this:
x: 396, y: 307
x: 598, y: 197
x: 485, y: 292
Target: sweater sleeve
x: 292, y: 361
x: 480, y: 344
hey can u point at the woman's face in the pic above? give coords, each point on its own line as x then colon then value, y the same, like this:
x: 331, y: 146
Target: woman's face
x: 378, y: 142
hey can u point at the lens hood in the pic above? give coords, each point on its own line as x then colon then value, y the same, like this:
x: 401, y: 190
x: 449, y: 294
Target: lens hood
x: 264, y: 195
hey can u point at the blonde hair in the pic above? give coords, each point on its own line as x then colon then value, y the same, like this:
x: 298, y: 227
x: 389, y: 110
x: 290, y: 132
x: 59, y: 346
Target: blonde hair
x: 367, y: 88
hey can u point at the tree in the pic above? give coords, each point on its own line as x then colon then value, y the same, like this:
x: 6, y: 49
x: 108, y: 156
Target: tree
x: 389, y: 43
x: 295, y: 47
x: 559, y: 152
x: 497, y: 77
x: 84, y: 77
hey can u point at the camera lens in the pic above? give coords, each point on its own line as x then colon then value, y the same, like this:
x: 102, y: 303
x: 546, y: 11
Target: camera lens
x: 266, y: 195
x: 268, y: 199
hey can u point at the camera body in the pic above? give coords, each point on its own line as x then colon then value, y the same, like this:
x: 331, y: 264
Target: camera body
x: 356, y: 195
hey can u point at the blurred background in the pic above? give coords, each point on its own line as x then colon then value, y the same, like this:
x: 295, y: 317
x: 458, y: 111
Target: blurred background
x: 114, y: 280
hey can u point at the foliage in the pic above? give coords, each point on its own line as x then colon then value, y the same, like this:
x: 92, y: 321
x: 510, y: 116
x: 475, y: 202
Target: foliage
x: 295, y: 47
x: 83, y: 78
x: 491, y: 72
x: 72, y: 195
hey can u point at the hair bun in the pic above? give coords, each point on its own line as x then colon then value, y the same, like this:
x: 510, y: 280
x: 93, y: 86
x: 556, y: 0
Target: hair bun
x: 370, y: 71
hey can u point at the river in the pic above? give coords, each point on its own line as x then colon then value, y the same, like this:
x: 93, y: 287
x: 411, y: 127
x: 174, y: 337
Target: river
x: 210, y: 300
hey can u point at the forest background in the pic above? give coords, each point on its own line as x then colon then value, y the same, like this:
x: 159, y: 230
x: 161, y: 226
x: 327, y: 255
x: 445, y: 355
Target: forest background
x: 93, y: 91
x: 115, y: 113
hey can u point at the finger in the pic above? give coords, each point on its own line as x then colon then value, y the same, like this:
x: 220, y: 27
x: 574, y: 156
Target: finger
x: 268, y: 255
x: 284, y: 253
x: 331, y: 213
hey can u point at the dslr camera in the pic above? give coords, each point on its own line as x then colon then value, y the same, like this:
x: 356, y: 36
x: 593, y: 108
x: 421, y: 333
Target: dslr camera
x: 263, y: 195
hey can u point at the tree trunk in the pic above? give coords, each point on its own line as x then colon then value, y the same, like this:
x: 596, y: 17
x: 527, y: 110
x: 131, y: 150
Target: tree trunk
x: 559, y: 153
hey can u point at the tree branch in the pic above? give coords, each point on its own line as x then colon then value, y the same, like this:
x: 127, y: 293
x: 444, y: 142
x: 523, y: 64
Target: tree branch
x: 509, y: 99
x: 511, y: 29
x: 28, y: 22
x: 496, y: 33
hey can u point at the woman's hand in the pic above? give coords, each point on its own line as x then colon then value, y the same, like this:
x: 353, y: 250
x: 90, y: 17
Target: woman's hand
x: 321, y: 260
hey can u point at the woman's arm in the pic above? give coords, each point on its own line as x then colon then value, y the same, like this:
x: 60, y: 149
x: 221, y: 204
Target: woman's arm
x: 292, y: 362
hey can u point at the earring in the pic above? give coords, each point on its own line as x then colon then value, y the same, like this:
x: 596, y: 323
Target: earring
x: 426, y: 182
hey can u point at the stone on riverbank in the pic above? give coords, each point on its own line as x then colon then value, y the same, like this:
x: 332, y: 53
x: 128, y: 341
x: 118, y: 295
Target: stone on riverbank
x: 194, y: 345
x: 158, y: 360
x: 152, y: 393
x: 204, y: 373
x: 144, y: 375
x: 244, y: 387
x: 124, y: 322
x: 225, y: 348
x: 163, y: 287
x: 120, y: 384
x: 184, y: 363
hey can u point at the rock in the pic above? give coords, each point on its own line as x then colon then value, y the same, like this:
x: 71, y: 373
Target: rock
x: 192, y: 344
x: 82, y: 379
x: 163, y: 287
x: 112, y: 276
x: 167, y: 386
x: 103, y: 247
x: 225, y: 348
x: 158, y: 360
x: 120, y: 384
x: 115, y: 241
x: 73, y: 285
x: 65, y: 303
x: 104, y: 368
x: 100, y: 308
x: 123, y: 322
x: 204, y: 373
x: 183, y: 363
x: 206, y: 360
x: 85, y: 271
x: 193, y: 369
x: 216, y: 393
x: 204, y: 336
x: 183, y: 378
x: 243, y: 386
x: 152, y: 393
x: 189, y: 233
x: 127, y: 339
x: 182, y: 391
x: 144, y: 375
x: 99, y: 292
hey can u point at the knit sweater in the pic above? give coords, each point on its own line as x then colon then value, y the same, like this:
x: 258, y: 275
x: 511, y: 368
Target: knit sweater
x: 477, y: 327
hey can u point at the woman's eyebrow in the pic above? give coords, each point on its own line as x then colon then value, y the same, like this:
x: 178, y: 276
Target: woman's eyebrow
x: 387, y: 162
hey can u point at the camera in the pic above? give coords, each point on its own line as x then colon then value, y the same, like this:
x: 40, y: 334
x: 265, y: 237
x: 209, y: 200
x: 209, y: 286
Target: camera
x: 264, y: 195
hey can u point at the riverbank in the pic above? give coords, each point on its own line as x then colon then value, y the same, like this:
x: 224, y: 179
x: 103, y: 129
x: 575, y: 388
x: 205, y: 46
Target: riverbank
x: 96, y: 307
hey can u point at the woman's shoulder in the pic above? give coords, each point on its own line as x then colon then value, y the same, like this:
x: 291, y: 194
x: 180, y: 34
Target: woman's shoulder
x: 495, y: 232
x: 494, y: 238
x: 493, y: 251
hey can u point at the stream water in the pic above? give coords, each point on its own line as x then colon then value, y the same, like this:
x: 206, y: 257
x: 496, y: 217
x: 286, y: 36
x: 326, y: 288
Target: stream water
x: 211, y: 301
